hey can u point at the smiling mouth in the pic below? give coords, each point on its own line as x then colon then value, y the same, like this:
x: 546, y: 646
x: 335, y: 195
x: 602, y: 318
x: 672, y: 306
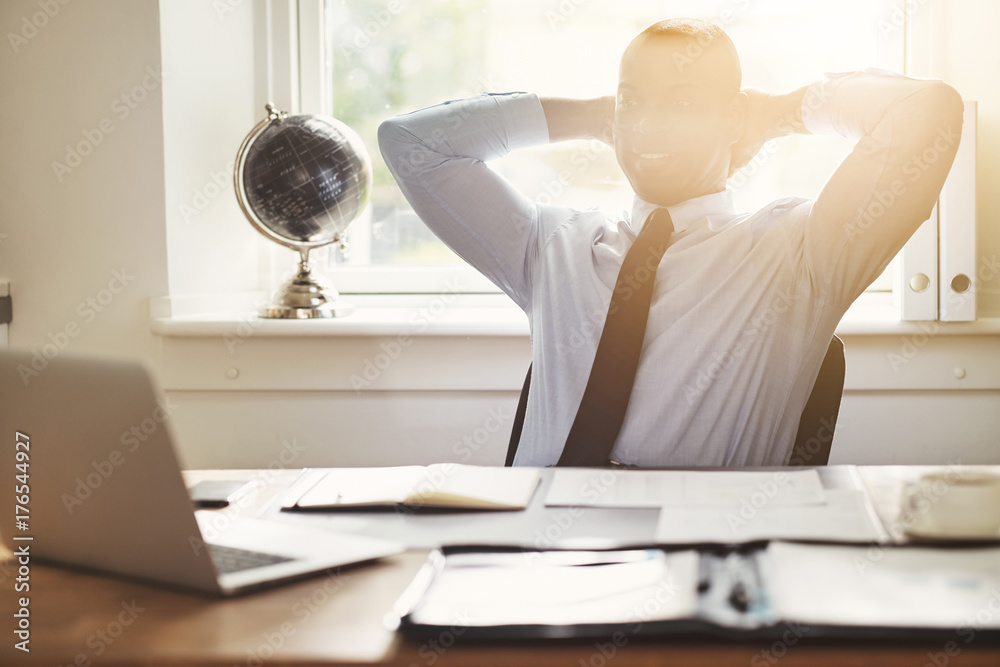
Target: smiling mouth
x: 652, y: 156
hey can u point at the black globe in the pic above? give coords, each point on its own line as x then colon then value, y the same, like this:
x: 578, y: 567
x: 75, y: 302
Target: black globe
x: 307, y: 178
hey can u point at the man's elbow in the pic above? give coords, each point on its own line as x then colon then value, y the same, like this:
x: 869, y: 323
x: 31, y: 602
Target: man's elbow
x: 404, y: 148
x: 945, y: 105
x: 930, y: 127
x: 392, y: 142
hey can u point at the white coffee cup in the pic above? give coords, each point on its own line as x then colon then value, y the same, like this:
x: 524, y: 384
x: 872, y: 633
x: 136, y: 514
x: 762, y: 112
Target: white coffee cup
x: 954, y: 504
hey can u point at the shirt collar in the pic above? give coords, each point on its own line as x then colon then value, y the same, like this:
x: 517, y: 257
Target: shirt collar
x: 716, y: 208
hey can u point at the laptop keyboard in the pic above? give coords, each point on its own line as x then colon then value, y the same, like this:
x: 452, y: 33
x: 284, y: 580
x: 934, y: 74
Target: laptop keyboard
x: 230, y: 559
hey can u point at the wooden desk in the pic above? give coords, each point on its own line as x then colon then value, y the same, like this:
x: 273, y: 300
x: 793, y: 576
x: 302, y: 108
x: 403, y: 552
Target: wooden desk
x: 87, y: 619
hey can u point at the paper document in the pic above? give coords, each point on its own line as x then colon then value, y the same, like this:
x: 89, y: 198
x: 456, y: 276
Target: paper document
x: 892, y: 586
x: 658, y: 488
x: 846, y: 516
x: 437, y: 485
x: 544, y: 589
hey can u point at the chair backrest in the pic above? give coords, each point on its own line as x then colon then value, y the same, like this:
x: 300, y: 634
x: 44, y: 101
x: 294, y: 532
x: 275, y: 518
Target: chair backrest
x: 819, y: 417
x: 816, y: 425
x: 515, y: 434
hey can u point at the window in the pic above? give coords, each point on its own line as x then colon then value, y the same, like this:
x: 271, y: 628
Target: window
x: 384, y: 57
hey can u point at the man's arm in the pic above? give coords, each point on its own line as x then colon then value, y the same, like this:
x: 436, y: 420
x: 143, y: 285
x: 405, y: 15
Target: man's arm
x: 437, y: 156
x: 579, y: 119
x: 907, y: 133
x: 769, y: 116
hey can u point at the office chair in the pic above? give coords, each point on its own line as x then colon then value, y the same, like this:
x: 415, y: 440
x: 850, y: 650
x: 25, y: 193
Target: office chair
x: 816, y: 425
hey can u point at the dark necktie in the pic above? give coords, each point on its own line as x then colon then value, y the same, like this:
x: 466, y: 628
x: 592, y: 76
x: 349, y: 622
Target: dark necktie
x: 602, y: 408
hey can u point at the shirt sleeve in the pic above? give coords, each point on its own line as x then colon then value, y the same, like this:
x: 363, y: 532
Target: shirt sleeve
x: 438, y: 157
x: 908, y: 132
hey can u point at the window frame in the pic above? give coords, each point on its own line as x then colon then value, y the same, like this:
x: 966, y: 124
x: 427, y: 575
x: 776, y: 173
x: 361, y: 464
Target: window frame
x: 291, y: 71
x: 291, y: 35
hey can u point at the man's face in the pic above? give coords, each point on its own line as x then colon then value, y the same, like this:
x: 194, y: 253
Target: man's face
x: 674, y: 123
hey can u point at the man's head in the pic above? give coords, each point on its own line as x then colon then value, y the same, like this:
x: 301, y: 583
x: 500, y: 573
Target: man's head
x: 678, y: 110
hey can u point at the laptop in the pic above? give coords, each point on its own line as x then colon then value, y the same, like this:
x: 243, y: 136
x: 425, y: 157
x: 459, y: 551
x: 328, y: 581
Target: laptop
x: 105, y: 490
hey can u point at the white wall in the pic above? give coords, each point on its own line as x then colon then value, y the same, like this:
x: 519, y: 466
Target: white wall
x: 67, y: 233
x: 208, y: 107
x: 120, y: 208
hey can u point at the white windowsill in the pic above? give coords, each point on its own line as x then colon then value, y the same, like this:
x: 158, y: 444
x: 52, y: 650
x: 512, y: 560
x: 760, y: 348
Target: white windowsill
x: 374, y: 315
x: 397, y: 342
x: 378, y: 315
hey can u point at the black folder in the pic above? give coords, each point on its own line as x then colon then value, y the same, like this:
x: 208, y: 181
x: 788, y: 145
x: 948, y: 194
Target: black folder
x: 768, y: 589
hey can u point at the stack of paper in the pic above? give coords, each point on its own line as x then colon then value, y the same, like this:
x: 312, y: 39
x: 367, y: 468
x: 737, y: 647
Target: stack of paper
x: 726, y: 506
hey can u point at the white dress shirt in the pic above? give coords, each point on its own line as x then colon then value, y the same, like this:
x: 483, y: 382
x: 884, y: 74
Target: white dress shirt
x: 744, y: 304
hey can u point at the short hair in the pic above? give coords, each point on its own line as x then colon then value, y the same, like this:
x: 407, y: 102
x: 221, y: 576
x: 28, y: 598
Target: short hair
x: 708, y: 36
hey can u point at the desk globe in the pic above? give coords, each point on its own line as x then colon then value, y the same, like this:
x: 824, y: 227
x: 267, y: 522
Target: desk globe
x: 301, y: 181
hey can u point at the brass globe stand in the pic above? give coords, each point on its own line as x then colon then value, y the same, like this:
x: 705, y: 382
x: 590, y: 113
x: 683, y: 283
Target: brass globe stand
x: 305, y: 296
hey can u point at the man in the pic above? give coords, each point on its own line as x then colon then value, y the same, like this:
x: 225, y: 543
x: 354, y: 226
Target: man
x: 744, y: 304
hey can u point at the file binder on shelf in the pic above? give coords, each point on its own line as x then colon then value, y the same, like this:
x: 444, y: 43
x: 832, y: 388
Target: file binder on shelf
x: 916, y: 278
x: 957, y: 217
x: 758, y: 590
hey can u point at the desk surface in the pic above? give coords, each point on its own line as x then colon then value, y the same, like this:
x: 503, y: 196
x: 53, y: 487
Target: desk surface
x: 88, y: 619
